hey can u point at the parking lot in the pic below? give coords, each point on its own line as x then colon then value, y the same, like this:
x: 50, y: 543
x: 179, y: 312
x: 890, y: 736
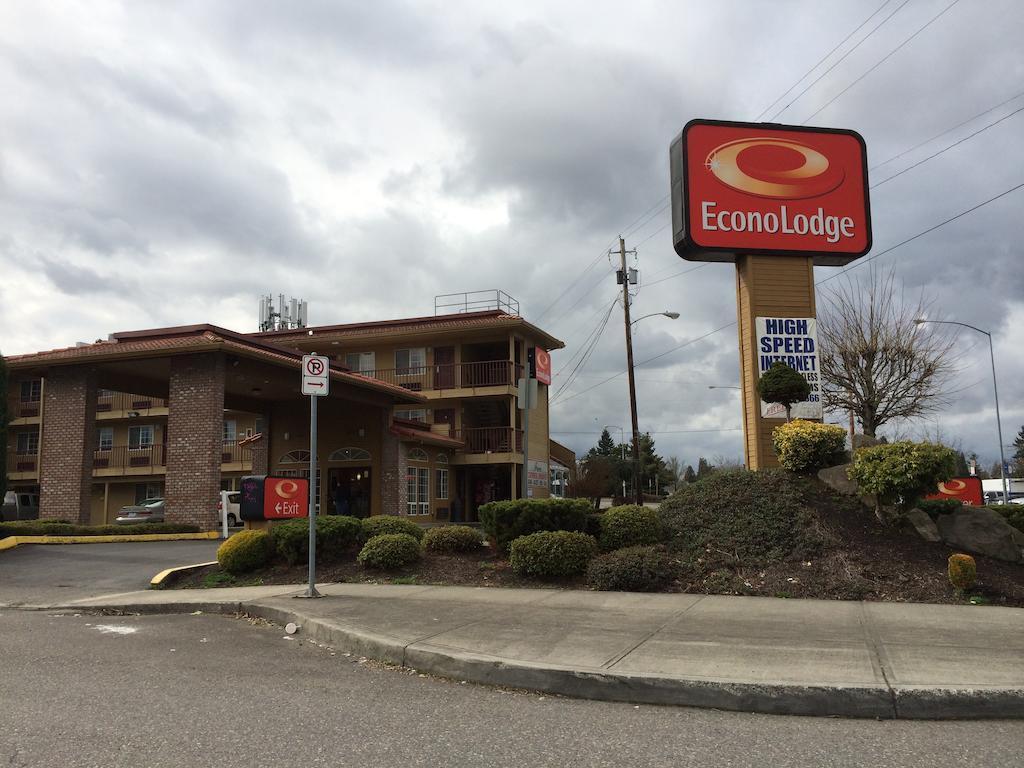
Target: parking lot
x: 51, y: 573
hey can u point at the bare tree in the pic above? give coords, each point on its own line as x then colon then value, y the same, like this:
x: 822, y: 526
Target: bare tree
x: 675, y: 468
x: 875, y: 361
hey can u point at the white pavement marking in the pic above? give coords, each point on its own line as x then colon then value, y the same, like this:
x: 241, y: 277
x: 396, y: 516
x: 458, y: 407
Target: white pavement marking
x: 116, y: 629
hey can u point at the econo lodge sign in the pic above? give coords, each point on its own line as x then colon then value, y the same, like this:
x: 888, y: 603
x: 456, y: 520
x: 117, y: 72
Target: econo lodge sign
x: 742, y: 188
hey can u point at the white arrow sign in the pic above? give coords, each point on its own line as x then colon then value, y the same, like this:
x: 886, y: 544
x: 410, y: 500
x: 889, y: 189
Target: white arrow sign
x: 316, y: 370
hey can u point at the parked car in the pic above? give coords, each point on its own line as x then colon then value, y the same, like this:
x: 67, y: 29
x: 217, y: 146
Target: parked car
x: 234, y: 518
x: 146, y: 511
x: 19, y: 506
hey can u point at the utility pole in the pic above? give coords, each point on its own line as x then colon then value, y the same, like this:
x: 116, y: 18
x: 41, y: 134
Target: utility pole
x: 638, y: 491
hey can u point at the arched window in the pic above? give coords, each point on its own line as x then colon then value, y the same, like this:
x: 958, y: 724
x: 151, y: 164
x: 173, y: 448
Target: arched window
x: 442, y: 458
x: 295, y: 457
x: 418, y: 454
x: 349, y: 454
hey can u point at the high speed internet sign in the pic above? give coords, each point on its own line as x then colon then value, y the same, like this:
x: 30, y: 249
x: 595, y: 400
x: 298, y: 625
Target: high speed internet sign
x: 316, y: 370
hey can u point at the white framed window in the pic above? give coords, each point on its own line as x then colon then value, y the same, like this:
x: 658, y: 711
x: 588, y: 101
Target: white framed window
x: 31, y: 391
x: 410, y: 362
x: 413, y: 414
x: 28, y: 443
x: 418, y: 491
x: 349, y: 454
x: 418, y: 454
x: 144, y: 491
x: 442, y: 483
x: 361, y: 362
x: 140, y: 437
x: 441, y: 458
x: 104, y: 438
x: 230, y: 430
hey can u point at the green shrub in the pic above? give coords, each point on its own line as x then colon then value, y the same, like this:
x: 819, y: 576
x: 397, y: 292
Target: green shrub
x: 504, y: 521
x: 742, y: 515
x: 61, y: 528
x: 935, y: 507
x: 452, y: 538
x: 335, y: 535
x: 963, y: 572
x: 593, y: 524
x: 806, y: 446
x: 381, y: 524
x: 389, y: 550
x: 902, y: 472
x: 552, y: 554
x: 244, y: 551
x: 633, y: 569
x: 630, y: 526
x: 1012, y: 513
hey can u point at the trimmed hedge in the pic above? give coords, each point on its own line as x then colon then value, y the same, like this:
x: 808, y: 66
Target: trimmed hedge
x: 633, y: 569
x: 245, y: 551
x: 807, y: 446
x: 389, y: 550
x: 505, y: 521
x: 452, y: 538
x: 552, y: 554
x: 56, y: 528
x: 742, y: 515
x: 381, y: 524
x: 335, y: 535
x: 903, y: 471
x: 630, y: 526
x: 1012, y: 513
x: 935, y: 507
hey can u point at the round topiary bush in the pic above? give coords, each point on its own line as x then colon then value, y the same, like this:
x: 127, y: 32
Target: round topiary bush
x: 552, y: 554
x: 244, y: 551
x: 389, y: 550
x: 630, y: 526
x: 807, y: 446
x: 633, y: 569
x: 380, y: 524
x: 962, y: 572
x: 452, y: 538
x: 903, y: 471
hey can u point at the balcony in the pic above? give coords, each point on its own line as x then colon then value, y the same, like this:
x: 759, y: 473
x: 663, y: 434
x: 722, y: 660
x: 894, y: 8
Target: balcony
x: 133, y: 460
x: 19, y: 464
x: 19, y: 409
x: 123, y: 401
x: 486, y: 373
x: 490, y: 439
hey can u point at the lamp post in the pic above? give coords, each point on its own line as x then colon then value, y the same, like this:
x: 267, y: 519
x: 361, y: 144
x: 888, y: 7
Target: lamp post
x: 995, y: 391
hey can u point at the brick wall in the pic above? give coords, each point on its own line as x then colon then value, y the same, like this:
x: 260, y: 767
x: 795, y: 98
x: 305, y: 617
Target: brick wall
x: 195, y: 421
x: 393, y: 467
x: 260, y: 450
x: 67, y: 443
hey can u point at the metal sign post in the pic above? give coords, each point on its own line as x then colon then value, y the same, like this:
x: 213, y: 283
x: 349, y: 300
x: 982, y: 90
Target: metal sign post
x: 527, y: 397
x: 316, y: 383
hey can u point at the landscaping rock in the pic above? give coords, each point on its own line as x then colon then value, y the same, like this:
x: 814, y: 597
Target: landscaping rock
x: 923, y: 525
x: 838, y: 480
x: 984, y: 532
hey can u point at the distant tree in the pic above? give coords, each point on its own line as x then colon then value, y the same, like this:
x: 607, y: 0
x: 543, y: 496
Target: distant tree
x: 605, y: 445
x: 980, y: 472
x: 725, y: 462
x: 3, y: 426
x: 654, y: 474
x: 1018, y: 455
x: 689, y: 476
x: 962, y: 470
x: 874, y: 359
x: 593, y: 477
x: 704, y: 468
x: 781, y: 384
x: 674, y: 468
x: 996, y: 471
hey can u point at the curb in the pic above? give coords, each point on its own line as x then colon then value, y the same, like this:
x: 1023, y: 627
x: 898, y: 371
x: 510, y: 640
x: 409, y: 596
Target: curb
x: 879, y: 702
x: 10, y: 542
x: 158, y: 580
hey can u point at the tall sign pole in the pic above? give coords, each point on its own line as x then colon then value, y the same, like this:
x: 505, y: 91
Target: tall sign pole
x: 316, y: 383
x: 638, y: 492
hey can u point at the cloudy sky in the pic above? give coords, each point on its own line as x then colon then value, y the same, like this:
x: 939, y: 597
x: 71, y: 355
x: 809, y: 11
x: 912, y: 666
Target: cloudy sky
x: 167, y: 162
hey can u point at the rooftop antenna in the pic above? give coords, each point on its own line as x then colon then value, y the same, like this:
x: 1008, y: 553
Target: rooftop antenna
x: 290, y: 314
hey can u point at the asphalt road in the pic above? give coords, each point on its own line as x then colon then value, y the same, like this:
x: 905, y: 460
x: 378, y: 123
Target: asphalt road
x: 50, y: 574
x: 82, y: 690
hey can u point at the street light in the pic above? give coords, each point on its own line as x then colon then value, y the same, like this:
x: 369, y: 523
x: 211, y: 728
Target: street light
x: 638, y: 491
x: 995, y: 390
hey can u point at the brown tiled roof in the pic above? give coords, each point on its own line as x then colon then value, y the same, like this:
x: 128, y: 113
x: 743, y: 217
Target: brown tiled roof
x: 424, y: 436
x: 194, y: 338
x: 468, y: 320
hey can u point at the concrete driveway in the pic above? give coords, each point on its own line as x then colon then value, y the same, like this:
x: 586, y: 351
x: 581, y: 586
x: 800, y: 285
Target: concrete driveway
x: 47, y: 573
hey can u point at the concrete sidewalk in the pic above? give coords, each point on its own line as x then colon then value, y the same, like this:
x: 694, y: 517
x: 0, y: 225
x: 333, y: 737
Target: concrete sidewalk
x: 740, y: 653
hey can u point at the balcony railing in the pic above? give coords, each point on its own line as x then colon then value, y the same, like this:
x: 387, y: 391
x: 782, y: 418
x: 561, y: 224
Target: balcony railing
x: 490, y: 439
x: 22, y: 462
x: 486, y: 373
x: 19, y: 409
x: 124, y: 457
x: 123, y: 401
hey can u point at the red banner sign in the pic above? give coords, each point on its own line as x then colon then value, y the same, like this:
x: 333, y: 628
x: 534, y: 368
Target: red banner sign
x: 542, y: 361
x: 966, y: 490
x: 285, y: 497
x: 784, y: 190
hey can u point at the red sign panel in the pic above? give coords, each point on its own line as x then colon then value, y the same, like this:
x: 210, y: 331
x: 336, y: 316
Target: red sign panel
x: 542, y: 360
x: 966, y: 490
x: 769, y: 189
x: 285, y: 497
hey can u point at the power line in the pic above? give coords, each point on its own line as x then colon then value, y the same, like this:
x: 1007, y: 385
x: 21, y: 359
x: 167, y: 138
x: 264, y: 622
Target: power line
x: 659, y: 431
x: 586, y: 355
x: 881, y: 61
x: 840, y: 60
x: 635, y: 226
x: 679, y: 274
x: 821, y: 60
x: 586, y: 341
x: 585, y: 295
x: 571, y: 285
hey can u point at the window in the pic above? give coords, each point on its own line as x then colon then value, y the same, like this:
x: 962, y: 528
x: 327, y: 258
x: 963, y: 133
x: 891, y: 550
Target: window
x: 295, y: 457
x: 104, y: 438
x: 409, y: 362
x: 258, y: 425
x: 230, y: 430
x: 416, y: 414
x: 31, y: 391
x: 441, y: 459
x: 28, y: 443
x: 442, y: 483
x: 147, y: 491
x: 349, y: 454
x: 418, y: 454
x: 418, y: 490
x: 360, y: 362
x: 140, y: 437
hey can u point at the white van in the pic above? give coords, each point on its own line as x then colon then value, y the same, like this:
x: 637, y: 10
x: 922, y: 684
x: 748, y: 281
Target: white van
x: 19, y: 506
